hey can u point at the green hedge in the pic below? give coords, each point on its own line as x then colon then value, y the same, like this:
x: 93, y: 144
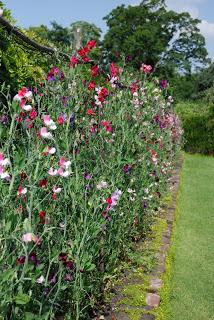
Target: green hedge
x: 198, y: 125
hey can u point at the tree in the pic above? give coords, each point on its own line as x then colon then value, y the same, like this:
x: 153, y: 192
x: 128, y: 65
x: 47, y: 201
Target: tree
x: 68, y: 38
x: 151, y: 34
x: 81, y: 32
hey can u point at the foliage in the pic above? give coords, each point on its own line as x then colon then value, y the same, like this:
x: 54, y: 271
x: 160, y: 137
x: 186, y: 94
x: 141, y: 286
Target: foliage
x: 161, y: 38
x: 198, y: 125
x: 83, y: 164
x: 68, y: 38
x: 18, y: 66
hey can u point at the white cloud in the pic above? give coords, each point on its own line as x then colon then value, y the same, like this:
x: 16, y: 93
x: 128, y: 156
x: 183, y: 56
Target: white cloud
x: 185, y: 6
x: 207, y: 29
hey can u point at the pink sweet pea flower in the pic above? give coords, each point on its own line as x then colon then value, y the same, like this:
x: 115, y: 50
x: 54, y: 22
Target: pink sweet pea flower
x: 49, y: 122
x: 45, y: 134
x: 145, y: 68
x: 52, y: 172
x: 3, y: 174
x: 27, y: 107
x: 63, y: 173
x: 56, y: 189
x: 21, y: 191
x: 63, y: 163
x: 3, y: 161
x: 28, y: 237
x: 51, y: 150
x: 23, y: 93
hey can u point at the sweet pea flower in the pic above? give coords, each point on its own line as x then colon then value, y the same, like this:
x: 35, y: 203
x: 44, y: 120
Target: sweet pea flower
x: 52, y: 172
x: 28, y: 237
x: 154, y: 157
x: 3, y: 173
x: 49, y: 122
x: 87, y: 176
x: 51, y: 150
x: 73, y: 62
x: 56, y: 189
x: 91, y: 44
x: 102, y: 185
x: 45, y: 134
x: 40, y: 280
x: 145, y: 68
x: 63, y: 163
x: 63, y: 173
x: 4, y: 162
x: 23, y: 93
x: 21, y: 191
x: 61, y: 119
x: 112, y: 202
x: 27, y: 107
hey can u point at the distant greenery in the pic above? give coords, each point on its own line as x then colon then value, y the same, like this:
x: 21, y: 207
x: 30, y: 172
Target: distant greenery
x: 198, y: 124
x: 68, y: 38
x: 193, y: 86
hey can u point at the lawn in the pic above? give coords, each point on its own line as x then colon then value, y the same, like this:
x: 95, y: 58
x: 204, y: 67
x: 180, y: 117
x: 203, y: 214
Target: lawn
x: 192, y: 281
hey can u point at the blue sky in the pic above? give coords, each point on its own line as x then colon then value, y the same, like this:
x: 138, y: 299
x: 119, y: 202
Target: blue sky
x: 36, y: 12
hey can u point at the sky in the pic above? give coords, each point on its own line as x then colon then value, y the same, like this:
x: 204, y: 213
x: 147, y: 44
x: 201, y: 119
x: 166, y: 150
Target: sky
x: 35, y: 12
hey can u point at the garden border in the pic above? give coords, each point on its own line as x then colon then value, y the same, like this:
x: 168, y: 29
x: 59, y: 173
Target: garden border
x: 150, y: 291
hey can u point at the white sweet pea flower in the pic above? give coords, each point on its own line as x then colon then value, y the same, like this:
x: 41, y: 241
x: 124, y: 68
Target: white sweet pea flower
x: 40, y: 280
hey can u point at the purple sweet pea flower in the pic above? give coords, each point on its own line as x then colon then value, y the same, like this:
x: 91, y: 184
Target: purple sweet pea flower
x: 163, y: 84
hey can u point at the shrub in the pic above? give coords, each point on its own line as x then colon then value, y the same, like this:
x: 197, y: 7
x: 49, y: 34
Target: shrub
x: 84, y: 160
x: 198, y: 125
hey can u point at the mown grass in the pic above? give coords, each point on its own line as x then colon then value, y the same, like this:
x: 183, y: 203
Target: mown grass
x: 191, y: 283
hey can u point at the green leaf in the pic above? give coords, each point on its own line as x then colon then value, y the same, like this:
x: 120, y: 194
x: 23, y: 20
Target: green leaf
x: 27, y: 225
x: 22, y: 299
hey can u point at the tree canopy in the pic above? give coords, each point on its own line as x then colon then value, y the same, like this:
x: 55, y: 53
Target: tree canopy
x: 152, y: 34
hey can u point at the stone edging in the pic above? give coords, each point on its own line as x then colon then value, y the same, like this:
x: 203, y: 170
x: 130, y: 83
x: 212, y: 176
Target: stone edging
x: 152, y: 298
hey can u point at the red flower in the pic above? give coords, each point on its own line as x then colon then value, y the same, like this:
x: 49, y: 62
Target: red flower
x: 103, y: 93
x: 91, y: 85
x: 73, y: 62
x: 21, y: 260
x: 86, y: 59
x: 94, y: 71
x: 43, y: 183
x: 60, y: 120
x: 91, y: 44
x: 23, y: 176
x: 134, y: 87
x: 83, y: 52
x: 107, y: 125
x: 33, y: 114
x: 42, y: 214
x: 63, y: 257
x: 114, y: 70
x: 109, y: 201
x: 90, y: 112
x: 54, y: 196
x: 22, y: 92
